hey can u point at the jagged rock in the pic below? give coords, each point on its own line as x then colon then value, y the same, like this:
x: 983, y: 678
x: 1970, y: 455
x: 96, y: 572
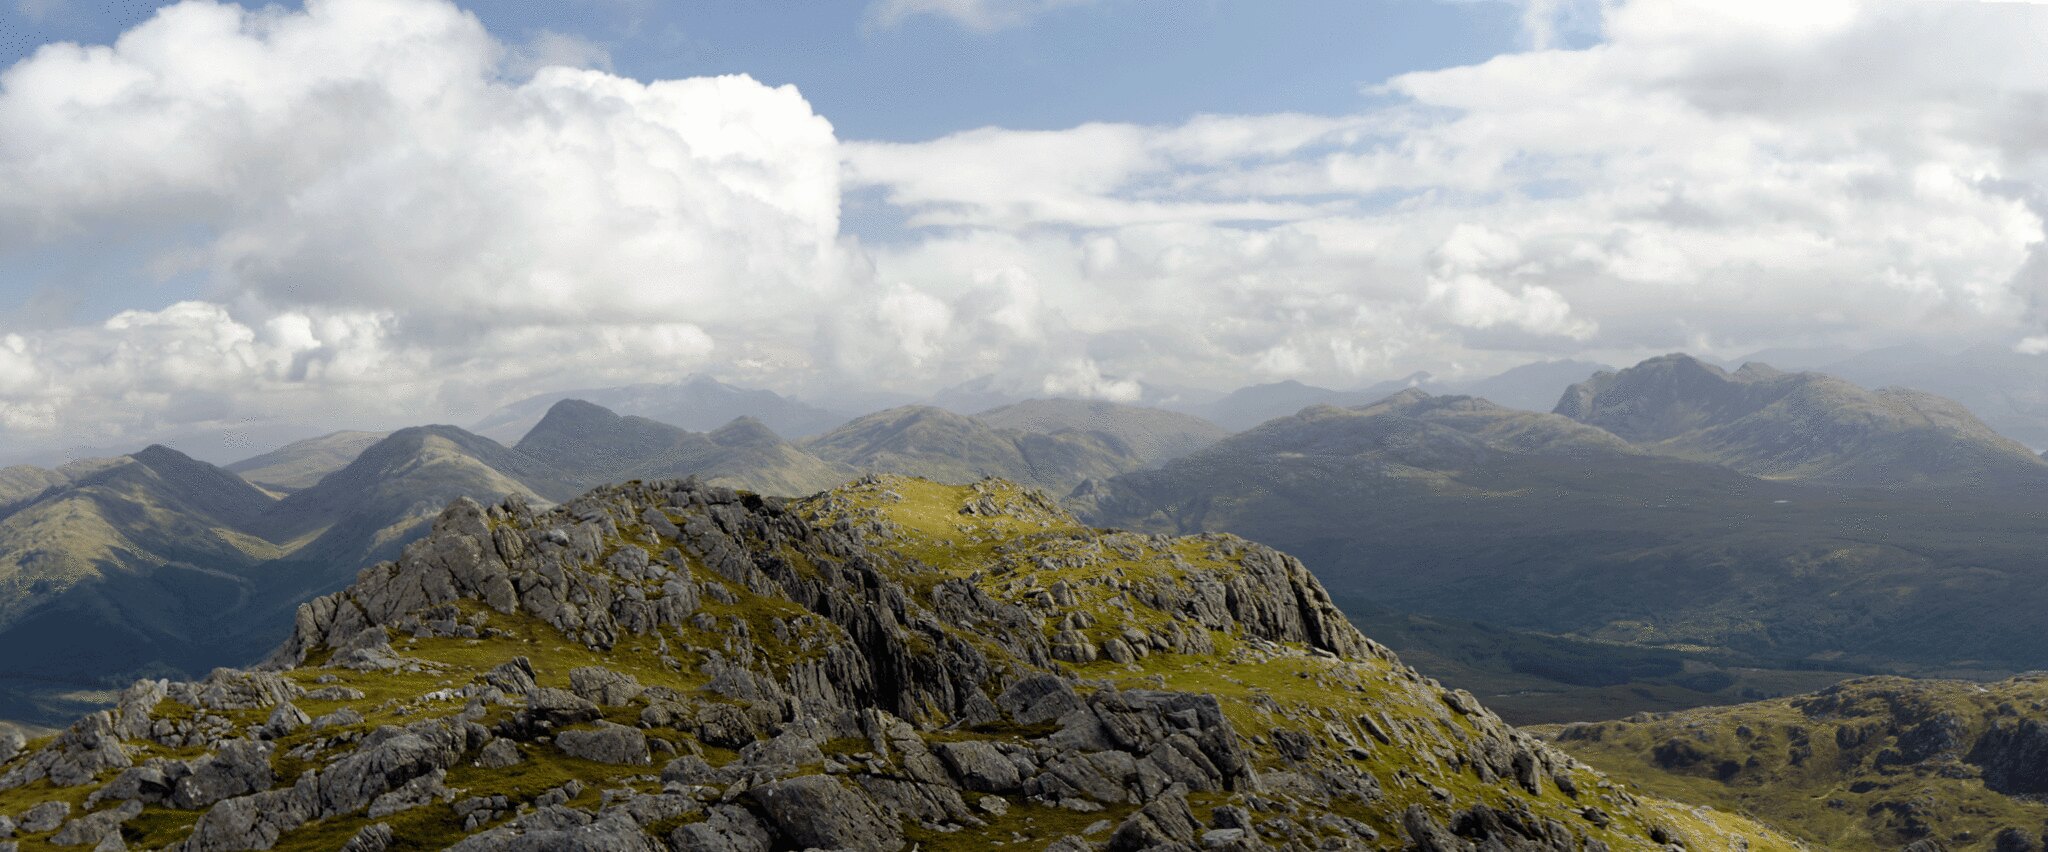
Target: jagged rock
x: 980, y: 767
x: 604, y: 686
x: 609, y: 743
x: 514, y: 676
x: 1164, y: 822
x: 6, y: 826
x: 238, y: 768
x: 412, y: 794
x: 789, y: 749
x: 11, y: 742
x: 607, y: 834
x: 498, y: 754
x: 43, y: 817
x: 346, y: 717
x: 375, y: 837
x: 284, y: 720
x: 557, y: 707
x: 725, y: 726
x: 817, y: 811
x: 724, y: 829
x: 74, y: 757
x: 1039, y: 698
x: 92, y: 829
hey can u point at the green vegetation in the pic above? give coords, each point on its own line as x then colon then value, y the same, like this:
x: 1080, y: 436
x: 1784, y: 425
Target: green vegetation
x: 1871, y: 764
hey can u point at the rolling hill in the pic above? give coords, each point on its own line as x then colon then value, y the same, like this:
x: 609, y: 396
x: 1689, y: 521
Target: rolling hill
x: 938, y: 444
x: 1151, y: 435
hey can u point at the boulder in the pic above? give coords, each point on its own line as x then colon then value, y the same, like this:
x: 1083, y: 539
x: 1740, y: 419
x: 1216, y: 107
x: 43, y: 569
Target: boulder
x: 817, y: 811
x: 43, y: 817
x: 604, y: 686
x: 94, y: 829
x: 608, y: 743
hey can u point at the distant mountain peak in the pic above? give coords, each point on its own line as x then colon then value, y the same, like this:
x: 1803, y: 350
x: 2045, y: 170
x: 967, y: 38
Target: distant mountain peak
x: 1766, y: 422
x: 745, y: 430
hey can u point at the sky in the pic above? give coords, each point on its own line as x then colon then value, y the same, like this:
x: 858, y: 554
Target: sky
x: 255, y: 221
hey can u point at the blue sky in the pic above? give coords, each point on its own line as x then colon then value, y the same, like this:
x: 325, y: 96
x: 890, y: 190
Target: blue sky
x: 360, y: 213
x: 927, y: 75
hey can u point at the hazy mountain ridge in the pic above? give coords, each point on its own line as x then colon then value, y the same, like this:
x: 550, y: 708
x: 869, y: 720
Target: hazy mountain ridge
x: 1152, y: 435
x: 801, y: 682
x: 938, y: 444
x: 302, y: 464
x: 1769, y: 423
x: 1457, y: 508
x: 595, y: 446
x: 699, y: 403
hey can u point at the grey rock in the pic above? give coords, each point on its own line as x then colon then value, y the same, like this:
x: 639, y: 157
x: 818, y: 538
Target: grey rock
x: 1038, y: 699
x: 980, y: 767
x: 11, y: 742
x: 412, y: 794
x: 725, y: 726
x: 375, y: 837
x: 239, y: 768
x: 346, y: 717
x: 604, y: 686
x: 726, y: 828
x: 1162, y: 822
x: 514, y: 676
x: 789, y: 749
x: 43, y: 817
x: 284, y: 720
x: 558, y: 707
x: 609, y: 834
x: 498, y: 754
x: 819, y: 811
x: 609, y: 743
x: 92, y: 829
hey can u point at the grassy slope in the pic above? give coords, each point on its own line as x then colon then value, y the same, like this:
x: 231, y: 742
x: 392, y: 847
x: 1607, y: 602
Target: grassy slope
x: 1829, y: 767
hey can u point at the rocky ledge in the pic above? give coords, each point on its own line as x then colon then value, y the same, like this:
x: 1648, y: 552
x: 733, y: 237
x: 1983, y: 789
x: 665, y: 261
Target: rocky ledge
x: 893, y: 664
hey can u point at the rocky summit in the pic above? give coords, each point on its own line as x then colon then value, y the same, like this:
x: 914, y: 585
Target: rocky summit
x: 894, y: 664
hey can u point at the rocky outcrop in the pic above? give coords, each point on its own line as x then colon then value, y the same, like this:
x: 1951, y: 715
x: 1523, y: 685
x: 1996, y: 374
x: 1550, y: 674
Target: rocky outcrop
x: 841, y: 672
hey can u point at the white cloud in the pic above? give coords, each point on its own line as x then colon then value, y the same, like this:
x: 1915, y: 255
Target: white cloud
x: 388, y: 212
x: 1081, y: 378
x: 1734, y: 172
x: 384, y: 194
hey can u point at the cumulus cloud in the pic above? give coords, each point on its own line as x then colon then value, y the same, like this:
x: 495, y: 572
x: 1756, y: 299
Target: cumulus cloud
x: 1709, y: 175
x: 379, y: 193
x: 374, y: 207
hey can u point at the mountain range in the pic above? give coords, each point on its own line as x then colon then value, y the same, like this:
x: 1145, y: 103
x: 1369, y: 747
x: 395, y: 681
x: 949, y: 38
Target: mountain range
x: 698, y: 403
x: 1775, y: 520
x: 158, y: 563
x: 1666, y: 519
x: 895, y: 664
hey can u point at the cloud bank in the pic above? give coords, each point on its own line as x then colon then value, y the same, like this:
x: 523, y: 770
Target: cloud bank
x: 375, y: 209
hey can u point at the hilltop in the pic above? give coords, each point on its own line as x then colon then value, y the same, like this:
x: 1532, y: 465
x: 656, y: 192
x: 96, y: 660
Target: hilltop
x: 895, y: 662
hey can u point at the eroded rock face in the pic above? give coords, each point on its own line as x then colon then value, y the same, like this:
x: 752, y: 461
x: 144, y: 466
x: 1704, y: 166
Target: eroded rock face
x: 828, y: 673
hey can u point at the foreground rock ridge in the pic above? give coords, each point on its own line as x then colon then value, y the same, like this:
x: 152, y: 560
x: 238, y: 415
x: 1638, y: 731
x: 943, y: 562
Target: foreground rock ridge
x: 889, y: 665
